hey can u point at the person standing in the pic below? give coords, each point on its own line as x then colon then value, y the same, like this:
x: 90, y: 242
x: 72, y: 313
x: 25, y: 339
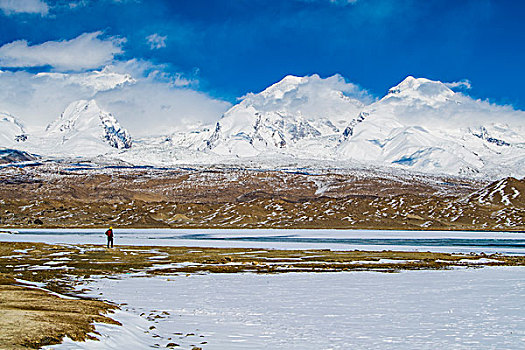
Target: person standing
x: 109, y: 233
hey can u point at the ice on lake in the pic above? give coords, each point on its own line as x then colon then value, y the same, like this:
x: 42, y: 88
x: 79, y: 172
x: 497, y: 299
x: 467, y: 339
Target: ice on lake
x: 457, y: 309
x: 441, y: 241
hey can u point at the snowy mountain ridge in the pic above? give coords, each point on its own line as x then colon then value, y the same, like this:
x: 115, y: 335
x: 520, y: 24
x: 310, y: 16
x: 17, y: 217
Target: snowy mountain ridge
x: 419, y: 125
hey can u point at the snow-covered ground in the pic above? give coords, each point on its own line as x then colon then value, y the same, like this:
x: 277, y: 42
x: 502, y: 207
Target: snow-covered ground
x: 442, y: 241
x: 458, y: 309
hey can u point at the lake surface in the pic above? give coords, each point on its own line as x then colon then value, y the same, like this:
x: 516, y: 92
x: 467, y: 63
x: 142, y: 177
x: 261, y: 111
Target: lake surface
x: 446, y: 241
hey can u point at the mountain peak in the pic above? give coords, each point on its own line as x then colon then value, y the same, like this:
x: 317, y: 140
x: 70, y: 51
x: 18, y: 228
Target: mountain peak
x: 84, y: 118
x: 311, y: 96
x: 292, y: 79
x: 291, y: 111
x: 421, y: 89
x: 11, y: 130
x: 279, y: 89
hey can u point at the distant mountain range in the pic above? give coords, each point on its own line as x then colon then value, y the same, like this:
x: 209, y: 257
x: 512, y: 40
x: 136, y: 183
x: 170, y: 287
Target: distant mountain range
x: 419, y: 125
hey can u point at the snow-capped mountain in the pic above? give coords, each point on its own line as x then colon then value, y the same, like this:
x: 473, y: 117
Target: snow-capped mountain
x: 419, y: 125
x: 423, y: 125
x: 12, y: 131
x: 84, y: 128
x: 297, y: 111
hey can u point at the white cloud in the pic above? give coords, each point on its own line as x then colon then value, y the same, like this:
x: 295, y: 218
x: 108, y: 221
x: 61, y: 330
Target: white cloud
x: 78, y: 4
x: 10, y: 7
x: 86, y: 51
x: 460, y: 85
x: 156, y: 41
x: 151, y: 108
x: 144, y: 101
x: 101, y: 80
x: 315, y: 90
x: 157, y: 72
x: 343, y: 2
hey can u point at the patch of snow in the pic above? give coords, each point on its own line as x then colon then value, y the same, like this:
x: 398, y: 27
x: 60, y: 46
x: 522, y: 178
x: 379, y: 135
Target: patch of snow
x: 31, y: 283
x: 134, y: 334
x: 480, y: 261
x: 158, y: 257
x: 41, y: 286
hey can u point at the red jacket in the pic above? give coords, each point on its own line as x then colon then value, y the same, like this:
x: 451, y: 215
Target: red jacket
x: 109, y: 233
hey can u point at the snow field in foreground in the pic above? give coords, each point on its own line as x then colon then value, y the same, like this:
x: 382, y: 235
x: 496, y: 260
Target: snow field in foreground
x: 455, y: 309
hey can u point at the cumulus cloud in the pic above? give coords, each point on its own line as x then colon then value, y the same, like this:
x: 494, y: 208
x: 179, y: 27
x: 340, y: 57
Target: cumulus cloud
x: 144, y: 101
x: 313, y: 98
x: 10, y: 7
x: 150, y: 108
x: 87, y: 51
x: 156, y: 41
x: 459, y: 85
x: 101, y: 80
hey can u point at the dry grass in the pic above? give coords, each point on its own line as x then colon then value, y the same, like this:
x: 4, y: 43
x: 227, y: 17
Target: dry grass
x: 59, y: 265
x: 32, y: 318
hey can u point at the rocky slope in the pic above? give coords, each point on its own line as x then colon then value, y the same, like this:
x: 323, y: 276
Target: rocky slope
x: 10, y: 156
x: 84, y: 195
x: 508, y: 192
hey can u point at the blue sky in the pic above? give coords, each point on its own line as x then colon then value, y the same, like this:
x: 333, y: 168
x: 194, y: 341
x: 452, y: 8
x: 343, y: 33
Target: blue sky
x: 227, y: 48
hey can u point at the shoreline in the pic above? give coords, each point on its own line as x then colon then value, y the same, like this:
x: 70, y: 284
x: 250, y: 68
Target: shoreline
x: 284, y: 228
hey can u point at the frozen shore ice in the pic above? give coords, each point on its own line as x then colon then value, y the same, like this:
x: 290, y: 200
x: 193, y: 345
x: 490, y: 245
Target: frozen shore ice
x: 460, y: 309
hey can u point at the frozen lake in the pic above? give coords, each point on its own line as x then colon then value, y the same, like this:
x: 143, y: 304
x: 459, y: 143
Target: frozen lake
x: 444, y: 241
x: 458, y: 309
